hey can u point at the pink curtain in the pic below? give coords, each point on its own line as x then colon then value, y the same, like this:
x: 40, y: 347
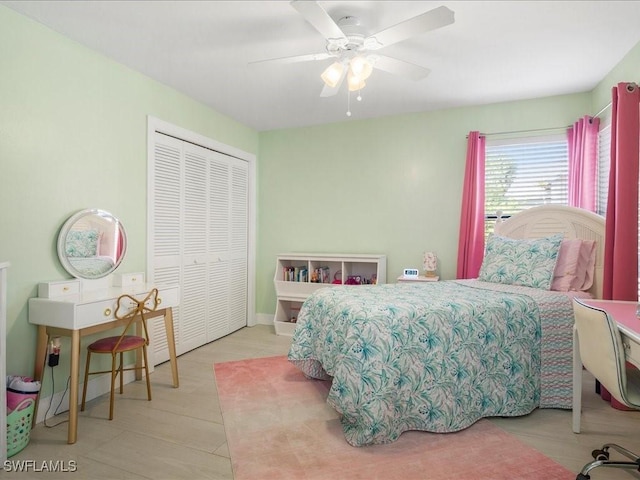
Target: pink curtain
x: 621, y: 241
x: 583, y: 156
x: 471, y: 240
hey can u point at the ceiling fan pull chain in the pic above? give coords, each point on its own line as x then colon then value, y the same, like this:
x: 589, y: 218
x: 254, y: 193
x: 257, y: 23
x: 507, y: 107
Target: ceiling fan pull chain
x: 348, y: 103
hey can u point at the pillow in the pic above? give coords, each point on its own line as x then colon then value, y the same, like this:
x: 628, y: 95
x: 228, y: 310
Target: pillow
x: 587, y: 264
x: 565, y: 275
x: 529, y: 263
x: 575, y: 267
x: 82, y: 243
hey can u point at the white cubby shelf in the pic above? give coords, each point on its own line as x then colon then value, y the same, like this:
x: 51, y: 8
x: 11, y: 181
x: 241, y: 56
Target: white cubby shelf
x: 298, y: 275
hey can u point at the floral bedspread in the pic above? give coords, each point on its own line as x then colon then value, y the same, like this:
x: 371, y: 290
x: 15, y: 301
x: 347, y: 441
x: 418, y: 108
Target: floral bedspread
x: 435, y: 356
x: 92, y: 266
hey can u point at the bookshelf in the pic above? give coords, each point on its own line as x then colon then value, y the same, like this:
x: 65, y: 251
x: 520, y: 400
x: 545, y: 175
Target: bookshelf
x: 298, y: 275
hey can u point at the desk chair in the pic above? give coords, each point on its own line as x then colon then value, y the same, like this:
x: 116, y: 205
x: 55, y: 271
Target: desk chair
x: 602, y: 354
x: 130, y: 310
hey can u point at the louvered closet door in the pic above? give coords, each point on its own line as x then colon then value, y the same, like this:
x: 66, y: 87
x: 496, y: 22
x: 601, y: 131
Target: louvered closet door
x: 211, y: 263
x: 165, y: 194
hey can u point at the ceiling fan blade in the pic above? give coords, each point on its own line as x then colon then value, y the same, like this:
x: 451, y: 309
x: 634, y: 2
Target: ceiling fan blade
x: 319, y: 18
x: 295, y: 59
x: 400, y: 67
x: 328, y: 91
x: 436, y: 18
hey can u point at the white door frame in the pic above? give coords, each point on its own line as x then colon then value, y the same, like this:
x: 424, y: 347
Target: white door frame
x: 157, y: 125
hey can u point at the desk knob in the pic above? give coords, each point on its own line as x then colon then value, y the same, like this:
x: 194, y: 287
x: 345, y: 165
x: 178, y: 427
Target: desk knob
x: 107, y: 312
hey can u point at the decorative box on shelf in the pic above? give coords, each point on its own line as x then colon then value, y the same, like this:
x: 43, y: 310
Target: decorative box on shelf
x: 58, y: 288
x: 128, y: 279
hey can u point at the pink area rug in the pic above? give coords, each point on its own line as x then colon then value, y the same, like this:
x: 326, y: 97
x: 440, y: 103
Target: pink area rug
x: 279, y: 427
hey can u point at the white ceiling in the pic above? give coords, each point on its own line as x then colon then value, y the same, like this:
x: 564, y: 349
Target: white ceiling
x: 495, y: 51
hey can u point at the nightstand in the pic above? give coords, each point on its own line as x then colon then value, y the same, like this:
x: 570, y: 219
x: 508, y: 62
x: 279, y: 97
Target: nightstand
x: 420, y: 278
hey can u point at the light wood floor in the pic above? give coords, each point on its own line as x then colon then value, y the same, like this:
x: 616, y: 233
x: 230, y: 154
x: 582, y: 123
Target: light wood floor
x: 180, y: 435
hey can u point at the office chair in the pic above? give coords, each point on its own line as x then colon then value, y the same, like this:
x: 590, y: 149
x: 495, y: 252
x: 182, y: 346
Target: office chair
x: 602, y: 354
x: 130, y: 310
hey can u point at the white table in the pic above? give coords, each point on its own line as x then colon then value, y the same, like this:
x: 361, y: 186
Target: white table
x: 85, y: 313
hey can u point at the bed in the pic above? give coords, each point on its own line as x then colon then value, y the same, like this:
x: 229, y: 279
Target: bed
x: 89, y: 249
x: 93, y: 266
x: 439, y: 356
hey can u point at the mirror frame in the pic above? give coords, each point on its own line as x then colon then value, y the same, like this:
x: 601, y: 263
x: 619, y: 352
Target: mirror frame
x: 68, y: 227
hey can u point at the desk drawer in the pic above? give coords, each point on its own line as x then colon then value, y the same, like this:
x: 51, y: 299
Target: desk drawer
x: 99, y: 312
x: 128, y: 279
x: 631, y: 351
x: 88, y: 314
x: 56, y: 289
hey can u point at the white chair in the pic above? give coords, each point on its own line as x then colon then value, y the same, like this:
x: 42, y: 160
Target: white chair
x: 602, y: 354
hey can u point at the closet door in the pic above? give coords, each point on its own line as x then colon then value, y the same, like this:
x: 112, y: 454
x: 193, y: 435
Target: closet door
x: 199, y: 224
x: 165, y: 233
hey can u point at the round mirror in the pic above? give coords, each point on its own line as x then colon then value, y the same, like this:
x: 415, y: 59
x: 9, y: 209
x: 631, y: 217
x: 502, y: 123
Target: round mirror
x: 91, y: 244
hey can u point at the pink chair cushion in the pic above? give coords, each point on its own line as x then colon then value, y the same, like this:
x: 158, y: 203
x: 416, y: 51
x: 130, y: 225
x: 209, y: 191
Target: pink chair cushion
x: 105, y: 345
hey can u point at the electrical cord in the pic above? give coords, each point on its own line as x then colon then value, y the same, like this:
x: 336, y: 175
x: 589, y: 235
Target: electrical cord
x: 53, y: 389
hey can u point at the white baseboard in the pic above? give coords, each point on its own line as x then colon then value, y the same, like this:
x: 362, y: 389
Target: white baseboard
x: 264, y: 318
x: 98, y: 385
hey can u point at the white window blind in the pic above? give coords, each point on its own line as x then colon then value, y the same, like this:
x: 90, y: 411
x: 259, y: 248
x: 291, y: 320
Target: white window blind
x: 604, y: 163
x: 525, y: 172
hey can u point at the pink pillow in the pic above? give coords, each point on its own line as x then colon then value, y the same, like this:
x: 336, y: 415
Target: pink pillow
x: 566, y: 274
x: 586, y: 264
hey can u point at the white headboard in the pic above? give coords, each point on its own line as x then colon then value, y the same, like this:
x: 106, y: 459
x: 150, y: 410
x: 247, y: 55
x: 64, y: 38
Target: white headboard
x: 546, y: 220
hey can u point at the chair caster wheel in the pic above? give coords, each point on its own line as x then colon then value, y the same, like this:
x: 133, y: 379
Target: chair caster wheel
x: 583, y: 477
x: 600, y: 455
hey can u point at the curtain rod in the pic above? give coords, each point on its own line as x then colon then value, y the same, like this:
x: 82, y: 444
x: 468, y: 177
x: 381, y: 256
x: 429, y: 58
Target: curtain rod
x: 544, y: 129
x: 630, y: 87
x: 603, y: 109
x: 524, y: 131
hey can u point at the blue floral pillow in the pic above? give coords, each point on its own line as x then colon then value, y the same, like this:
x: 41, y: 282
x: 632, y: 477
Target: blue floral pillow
x: 529, y: 263
x: 82, y: 243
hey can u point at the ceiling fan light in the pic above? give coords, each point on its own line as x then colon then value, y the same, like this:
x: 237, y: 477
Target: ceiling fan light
x: 332, y: 74
x: 355, y: 82
x: 361, y: 67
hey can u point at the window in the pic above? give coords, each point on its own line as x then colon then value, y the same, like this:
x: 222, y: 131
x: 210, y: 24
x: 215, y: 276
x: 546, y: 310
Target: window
x: 524, y: 172
x: 604, y: 162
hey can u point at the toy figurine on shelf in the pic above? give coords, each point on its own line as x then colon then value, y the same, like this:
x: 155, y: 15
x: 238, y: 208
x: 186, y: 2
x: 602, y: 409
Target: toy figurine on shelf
x: 430, y: 264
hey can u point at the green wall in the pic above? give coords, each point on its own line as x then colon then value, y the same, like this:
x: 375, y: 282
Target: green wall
x: 628, y: 70
x: 391, y: 185
x: 73, y: 136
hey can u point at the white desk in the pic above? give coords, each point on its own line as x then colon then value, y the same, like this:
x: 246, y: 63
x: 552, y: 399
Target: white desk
x: 85, y: 313
x: 624, y: 314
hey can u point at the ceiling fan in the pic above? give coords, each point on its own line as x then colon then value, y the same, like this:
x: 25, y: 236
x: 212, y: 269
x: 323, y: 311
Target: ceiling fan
x: 355, y: 54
